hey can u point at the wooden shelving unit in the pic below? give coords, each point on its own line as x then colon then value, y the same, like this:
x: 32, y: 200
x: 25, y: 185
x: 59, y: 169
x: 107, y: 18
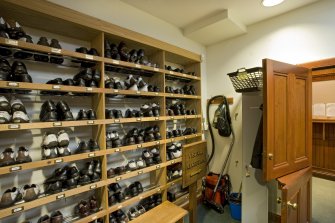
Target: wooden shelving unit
x: 69, y: 23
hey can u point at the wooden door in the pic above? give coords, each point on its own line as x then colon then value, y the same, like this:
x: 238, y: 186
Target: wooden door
x: 287, y: 119
x: 296, y: 196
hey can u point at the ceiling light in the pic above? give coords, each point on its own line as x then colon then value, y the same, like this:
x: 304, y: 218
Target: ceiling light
x: 270, y: 3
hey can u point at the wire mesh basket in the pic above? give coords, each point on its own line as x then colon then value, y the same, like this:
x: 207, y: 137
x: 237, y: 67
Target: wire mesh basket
x: 247, y: 80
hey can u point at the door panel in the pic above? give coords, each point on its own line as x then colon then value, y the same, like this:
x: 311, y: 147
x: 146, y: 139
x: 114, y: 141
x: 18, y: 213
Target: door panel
x: 287, y: 119
x: 296, y: 196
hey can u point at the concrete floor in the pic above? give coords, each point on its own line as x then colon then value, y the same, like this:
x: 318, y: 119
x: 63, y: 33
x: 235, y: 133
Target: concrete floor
x: 323, y: 201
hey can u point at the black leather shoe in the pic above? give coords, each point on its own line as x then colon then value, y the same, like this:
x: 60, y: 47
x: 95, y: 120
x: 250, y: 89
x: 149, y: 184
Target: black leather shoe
x: 48, y: 112
x: 117, y: 113
x: 56, y: 59
x: 119, y: 197
x: 138, y: 186
x: 4, y: 51
x: 123, y: 51
x: 133, y: 56
x: 14, y: 30
x: 83, y: 147
x: 109, y: 114
x: 93, y: 145
x: 68, y: 82
x: 5, y: 69
x: 22, y: 54
x: 82, y: 115
x: 63, y: 112
x: 115, y: 187
x: 91, y: 114
x: 41, y: 56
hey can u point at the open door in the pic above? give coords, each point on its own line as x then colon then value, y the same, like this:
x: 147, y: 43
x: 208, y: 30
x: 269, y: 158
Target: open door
x: 287, y: 139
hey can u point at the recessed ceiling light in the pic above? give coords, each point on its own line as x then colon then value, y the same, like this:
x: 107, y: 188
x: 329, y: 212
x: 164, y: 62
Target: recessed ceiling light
x: 270, y: 3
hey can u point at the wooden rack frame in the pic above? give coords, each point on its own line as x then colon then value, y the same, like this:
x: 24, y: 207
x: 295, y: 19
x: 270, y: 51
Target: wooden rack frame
x: 69, y: 23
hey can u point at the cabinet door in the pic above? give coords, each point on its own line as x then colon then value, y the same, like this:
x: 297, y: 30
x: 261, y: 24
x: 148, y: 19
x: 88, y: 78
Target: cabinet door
x: 296, y: 196
x: 287, y: 119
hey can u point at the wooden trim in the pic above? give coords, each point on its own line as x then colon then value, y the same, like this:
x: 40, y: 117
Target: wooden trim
x: 319, y: 119
x: 318, y: 63
x: 182, y: 96
x: 134, y: 147
x: 48, y: 87
x: 219, y: 101
x: 274, y: 218
x: 181, y: 75
x: 43, y: 125
x: 133, y: 93
x: 324, y: 173
x: 50, y: 162
x: 69, y: 15
x: 92, y: 217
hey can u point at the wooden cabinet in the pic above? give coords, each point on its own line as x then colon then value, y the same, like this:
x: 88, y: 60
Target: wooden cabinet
x: 80, y: 29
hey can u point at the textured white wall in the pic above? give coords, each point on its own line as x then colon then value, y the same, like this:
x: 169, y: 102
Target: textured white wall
x: 303, y: 35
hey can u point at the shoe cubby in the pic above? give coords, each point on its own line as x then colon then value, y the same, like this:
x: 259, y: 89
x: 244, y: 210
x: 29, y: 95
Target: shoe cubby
x: 95, y: 71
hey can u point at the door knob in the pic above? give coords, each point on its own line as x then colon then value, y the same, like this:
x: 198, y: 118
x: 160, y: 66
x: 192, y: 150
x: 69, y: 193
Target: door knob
x: 294, y: 206
x: 270, y: 156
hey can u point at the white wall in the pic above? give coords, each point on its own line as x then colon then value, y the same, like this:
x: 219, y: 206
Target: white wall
x: 303, y: 35
x: 126, y: 16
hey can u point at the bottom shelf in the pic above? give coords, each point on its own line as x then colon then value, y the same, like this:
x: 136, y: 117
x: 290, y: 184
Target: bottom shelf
x: 324, y: 173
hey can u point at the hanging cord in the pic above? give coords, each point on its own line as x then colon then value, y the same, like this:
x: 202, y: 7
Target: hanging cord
x: 210, y: 126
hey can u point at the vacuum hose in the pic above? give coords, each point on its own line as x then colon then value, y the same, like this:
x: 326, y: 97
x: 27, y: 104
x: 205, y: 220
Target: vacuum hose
x: 210, y: 126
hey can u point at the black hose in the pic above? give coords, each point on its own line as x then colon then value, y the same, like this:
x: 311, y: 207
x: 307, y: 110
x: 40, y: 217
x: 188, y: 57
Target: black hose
x: 210, y: 126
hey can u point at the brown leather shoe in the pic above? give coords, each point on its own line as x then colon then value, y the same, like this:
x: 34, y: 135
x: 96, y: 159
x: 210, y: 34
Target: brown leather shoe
x: 7, y: 157
x: 23, y: 155
x: 30, y: 192
x: 57, y: 217
x: 93, y: 204
x: 9, y: 197
x: 44, y: 219
x: 82, y: 209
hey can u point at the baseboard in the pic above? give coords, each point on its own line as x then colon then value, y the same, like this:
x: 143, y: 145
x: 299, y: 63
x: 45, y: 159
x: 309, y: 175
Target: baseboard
x: 274, y: 218
x: 324, y: 173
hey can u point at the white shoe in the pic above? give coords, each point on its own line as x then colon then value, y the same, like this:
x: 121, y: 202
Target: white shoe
x: 20, y: 117
x: 63, y: 139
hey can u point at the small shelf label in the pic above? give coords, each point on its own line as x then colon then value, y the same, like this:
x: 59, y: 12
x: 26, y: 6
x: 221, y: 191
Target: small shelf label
x: 157, y: 143
x: 115, y: 62
x: 58, y: 161
x: 12, y: 42
x: 94, y: 217
x: 15, y: 168
x: 139, y: 146
x: 138, y: 66
x: 185, y: 137
x: 156, y: 93
x: 61, y: 196
x: 171, y: 94
x: 56, y: 87
x: 89, y: 57
x: 138, y: 92
x: 89, y: 89
x: 172, y: 140
x: 139, y: 172
x: 172, y: 117
x: 18, y: 209
x: 117, y: 120
x: 117, y: 150
x: 120, y: 206
x: 171, y: 72
x: 159, y: 189
x: 156, y: 69
x: 93, y: 186
x: 14, y: 126
x: 118, y: 178
x: 173, y: 161
x: 91, y: 155
x: 13, y: 84
x: 139, y: 119
x: 158, y: 166
x: 156, y: 118
x: 57, y: 124
x: 184, y: 75
x: 55, y: 50
x: 90, y: 122
x: 116, y: 91
x: 140, y: 198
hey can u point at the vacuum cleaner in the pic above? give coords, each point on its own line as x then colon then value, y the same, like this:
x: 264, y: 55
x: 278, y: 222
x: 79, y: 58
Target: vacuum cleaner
x: 217, y: 186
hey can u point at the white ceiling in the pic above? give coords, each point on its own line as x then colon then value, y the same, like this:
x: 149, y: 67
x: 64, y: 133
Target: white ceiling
x: 211, y: 21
